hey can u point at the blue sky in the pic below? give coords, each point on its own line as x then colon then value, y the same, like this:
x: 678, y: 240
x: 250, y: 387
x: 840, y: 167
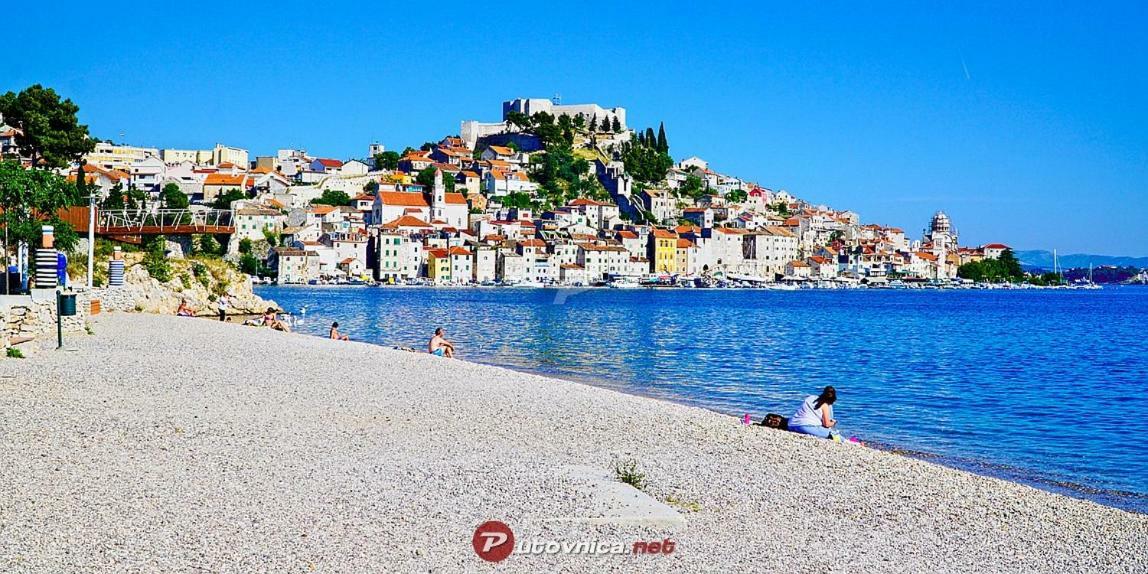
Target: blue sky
x: 1041, y: 143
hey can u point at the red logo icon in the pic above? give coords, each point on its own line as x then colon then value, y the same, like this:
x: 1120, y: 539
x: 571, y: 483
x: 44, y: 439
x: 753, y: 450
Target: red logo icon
x: 493, y: 541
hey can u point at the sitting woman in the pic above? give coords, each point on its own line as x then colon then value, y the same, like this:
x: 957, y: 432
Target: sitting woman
x: 815, y: 417
x: 271, y: 319
x: 184, y: 309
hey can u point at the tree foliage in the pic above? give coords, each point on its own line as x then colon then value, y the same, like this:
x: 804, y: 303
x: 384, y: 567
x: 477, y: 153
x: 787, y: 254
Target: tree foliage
x: 737, y: 196
x: 1004, y: 268
x: 173, y: 197
x: 388, y: 160
x: 155, y: 259
x: 225, y: 199
x: 52, y: 135
x: 332, y: 197
x: 648, y: 158
x: 31, y: 198
x: 426, y: 179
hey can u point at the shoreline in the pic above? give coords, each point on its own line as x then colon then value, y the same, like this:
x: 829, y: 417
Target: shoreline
x: 1113, y: 498
x: 167, y: 444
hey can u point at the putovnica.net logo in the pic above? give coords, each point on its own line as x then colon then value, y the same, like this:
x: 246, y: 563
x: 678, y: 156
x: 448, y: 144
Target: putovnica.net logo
x: 494, y: 541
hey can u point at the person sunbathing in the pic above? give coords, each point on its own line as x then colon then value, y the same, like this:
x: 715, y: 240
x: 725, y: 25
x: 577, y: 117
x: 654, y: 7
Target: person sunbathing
x: 184, y: 309
x: 271, y: 319
x: 815, y: 416
x: 439, y: 346
x: 335, y: 334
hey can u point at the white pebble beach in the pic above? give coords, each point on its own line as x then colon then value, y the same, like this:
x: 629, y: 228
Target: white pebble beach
x: 161, y: 444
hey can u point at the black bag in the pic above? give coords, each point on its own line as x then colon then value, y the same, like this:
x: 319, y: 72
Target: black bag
x: 775, y: 421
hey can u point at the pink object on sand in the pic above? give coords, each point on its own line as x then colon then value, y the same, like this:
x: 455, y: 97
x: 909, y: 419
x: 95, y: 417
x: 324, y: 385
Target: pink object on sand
x: 745, y: 419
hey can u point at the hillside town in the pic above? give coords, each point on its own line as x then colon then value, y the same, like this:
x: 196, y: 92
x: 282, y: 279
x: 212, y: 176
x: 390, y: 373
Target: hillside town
x: 553, y: 194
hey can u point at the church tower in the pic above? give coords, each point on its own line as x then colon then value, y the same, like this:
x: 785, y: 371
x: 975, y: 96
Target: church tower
x: 438, y: 198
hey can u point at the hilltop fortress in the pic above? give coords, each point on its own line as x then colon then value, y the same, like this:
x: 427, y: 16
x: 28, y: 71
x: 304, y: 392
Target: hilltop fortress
x: 472, y: 130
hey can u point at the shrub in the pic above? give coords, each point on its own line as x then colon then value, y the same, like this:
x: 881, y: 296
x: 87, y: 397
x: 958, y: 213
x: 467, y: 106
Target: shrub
x: 627, y: 472
x: 156, y: 260
x: 14, y: 353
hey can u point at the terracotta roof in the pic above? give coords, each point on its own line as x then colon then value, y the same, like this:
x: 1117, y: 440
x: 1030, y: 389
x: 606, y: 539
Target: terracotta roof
x: 321, y: 209
x: 330, y: 162
x: 501, y: 150
x: 664, y: 234
x: 627, y: 234
x: 403, y: 198
x: 584, y: 201
x: 532, y: 243
x: 227, y: 179
x: 459, y: 251
x: 456, y: 198
x: 685, y: 243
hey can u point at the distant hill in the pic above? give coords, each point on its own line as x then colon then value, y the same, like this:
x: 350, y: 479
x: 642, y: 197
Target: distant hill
x: 1043, y: 260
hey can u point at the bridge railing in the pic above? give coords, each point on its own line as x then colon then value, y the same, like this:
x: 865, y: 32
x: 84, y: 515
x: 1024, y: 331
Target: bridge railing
x: 164, y: 219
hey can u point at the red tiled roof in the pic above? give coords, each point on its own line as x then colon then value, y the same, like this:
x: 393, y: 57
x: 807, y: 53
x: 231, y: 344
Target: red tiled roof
x: 403, y: 198
x: 405, y: 221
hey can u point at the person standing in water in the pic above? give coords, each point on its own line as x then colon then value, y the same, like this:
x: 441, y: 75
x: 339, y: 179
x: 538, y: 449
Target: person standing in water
x: 815, y: 416
x: 439, y: 346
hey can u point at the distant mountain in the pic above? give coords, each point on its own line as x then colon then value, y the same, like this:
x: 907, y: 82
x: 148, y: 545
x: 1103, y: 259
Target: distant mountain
x: 1043, y: 260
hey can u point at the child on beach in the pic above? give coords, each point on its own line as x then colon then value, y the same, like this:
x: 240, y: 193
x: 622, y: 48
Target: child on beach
x: 815, y: 416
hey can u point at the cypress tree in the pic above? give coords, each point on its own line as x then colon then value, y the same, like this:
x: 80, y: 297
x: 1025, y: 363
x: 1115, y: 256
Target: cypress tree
x: 651, y: 140
x: 594, y: 123
x: 663, y: 145
x: 617, y: 125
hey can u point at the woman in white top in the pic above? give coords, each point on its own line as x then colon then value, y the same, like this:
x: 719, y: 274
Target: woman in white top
x: 815, y: 417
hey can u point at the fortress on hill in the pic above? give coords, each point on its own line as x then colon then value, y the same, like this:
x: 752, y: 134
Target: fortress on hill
x: 471, y: 130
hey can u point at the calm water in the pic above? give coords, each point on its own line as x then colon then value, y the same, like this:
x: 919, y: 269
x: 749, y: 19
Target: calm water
x: 1043, y: 387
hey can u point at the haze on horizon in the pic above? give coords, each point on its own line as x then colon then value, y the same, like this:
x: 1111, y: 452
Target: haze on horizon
x: 1025, y: 123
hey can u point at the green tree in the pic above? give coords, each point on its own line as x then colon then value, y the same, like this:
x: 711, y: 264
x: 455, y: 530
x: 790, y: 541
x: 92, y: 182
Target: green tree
x: 249, y: 264
x: 173, y: 197
x: 332, y: 197
x: 388, y: 160
x: 737, y: 196
x: 32, y: 198
x: 209, y: 245
x: 1010, y: 264
x: 155, y: 259
x: 426, y: 179
x: 663, y: 144
x: 616, y: 125
x: 594, y: 123
x: 52, y: 135
x: 225, y: 199
x: 82, y: 190
x: 245, y: 245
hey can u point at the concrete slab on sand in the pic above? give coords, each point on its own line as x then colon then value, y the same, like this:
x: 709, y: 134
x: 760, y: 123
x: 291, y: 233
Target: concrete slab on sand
x: 183, y: 445
x: 614, y: 502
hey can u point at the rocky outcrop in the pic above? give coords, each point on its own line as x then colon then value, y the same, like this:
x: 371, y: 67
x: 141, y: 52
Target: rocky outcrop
x: 198, y: 281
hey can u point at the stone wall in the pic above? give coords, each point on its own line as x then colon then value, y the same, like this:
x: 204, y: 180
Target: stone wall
x: 29, y: 316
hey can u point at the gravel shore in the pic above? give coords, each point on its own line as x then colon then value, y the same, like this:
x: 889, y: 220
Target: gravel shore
x: 185, y: 445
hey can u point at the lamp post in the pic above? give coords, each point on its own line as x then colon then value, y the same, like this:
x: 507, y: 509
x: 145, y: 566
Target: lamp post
x: 91, y: 231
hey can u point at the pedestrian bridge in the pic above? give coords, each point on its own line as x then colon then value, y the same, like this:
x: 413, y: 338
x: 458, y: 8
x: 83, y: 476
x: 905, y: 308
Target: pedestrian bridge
x: 126, y: 223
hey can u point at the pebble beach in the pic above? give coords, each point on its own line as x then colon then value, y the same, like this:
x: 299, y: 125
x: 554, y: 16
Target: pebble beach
x: 162, y: 444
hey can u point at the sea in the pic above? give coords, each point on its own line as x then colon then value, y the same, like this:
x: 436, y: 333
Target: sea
x: 1044, y: 387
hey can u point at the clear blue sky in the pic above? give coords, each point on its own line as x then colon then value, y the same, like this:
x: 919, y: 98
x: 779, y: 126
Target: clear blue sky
x: 1042, y: 143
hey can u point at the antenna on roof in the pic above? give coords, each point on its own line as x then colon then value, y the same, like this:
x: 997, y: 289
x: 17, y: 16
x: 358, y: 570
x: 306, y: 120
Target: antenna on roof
x: 557, y: 99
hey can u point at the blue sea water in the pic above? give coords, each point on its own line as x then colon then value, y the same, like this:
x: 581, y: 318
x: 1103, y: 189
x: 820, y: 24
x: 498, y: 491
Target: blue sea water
x: 1049, y: 388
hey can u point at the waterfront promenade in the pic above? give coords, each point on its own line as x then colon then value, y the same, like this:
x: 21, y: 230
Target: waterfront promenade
x: 164, y: 444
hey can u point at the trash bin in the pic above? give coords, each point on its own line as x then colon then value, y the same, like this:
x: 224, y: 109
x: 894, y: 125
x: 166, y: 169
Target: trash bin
x: 67, y: 304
